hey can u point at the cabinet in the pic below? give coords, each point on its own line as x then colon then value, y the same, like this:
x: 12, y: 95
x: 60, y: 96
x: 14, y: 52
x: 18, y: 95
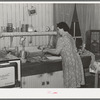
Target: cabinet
x: 46, y: 80
x: 34, y: 81
x: 56, y: 80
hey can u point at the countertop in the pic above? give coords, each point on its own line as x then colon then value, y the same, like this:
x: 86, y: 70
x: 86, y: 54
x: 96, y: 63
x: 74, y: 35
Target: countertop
x: 48, y: 66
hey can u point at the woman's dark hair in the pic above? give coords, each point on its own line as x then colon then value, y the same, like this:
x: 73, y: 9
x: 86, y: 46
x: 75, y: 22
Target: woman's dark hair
x: 63, y: 25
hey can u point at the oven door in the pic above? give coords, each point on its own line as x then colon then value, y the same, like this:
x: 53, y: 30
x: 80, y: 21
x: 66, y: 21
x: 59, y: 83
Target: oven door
x: 10, y: 74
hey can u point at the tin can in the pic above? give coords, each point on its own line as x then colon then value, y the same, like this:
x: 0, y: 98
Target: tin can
x: 9, y: 27
x: 24, y: 28
x: 27, y: 27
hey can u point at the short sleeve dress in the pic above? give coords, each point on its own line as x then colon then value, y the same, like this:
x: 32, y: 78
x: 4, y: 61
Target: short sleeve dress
x: 71, y: 62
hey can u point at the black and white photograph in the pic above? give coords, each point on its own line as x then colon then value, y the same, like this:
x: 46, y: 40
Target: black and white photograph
x: 49, y: 45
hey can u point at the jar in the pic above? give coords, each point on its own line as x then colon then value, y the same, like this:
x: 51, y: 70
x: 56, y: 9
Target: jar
x: 27, y: 27
x: 9, y: 27
x: 23, y: 29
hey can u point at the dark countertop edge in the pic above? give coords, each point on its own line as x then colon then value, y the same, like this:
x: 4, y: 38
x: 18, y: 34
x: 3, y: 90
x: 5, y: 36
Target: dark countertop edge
x: 40, y: 68
x: 29, y: 69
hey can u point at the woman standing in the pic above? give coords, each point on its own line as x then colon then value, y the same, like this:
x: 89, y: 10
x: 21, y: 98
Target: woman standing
x: 71, y: 62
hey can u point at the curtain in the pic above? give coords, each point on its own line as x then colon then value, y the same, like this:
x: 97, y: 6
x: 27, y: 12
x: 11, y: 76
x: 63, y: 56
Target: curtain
x: 86, y: 18
x: 63, y: 12
x: 96, y: 18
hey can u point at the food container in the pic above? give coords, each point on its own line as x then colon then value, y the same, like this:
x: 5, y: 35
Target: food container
x: 9, y: 27
x: 24, y: 28
x: 27, y: 27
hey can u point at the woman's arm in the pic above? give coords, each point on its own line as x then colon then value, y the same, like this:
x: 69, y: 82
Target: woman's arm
x: 58, y: 49
x: 52, y: 51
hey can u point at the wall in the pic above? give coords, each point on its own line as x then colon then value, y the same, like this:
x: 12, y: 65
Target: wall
x: 17, y: 13
x: 88, y: 14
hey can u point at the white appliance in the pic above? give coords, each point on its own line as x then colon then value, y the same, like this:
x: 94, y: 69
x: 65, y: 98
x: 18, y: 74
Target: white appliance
x: 10, y: 73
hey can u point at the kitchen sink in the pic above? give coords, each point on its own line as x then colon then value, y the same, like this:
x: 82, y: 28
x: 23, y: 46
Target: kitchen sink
x: 35, y: 56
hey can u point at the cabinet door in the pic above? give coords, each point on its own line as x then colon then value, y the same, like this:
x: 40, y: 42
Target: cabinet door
x: 33, y: 81
x: 55, y: 80
x: 46, y: 80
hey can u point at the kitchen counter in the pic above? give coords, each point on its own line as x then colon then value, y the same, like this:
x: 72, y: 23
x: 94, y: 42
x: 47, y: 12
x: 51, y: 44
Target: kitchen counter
x: 46, y: 74
x: 48, y: 66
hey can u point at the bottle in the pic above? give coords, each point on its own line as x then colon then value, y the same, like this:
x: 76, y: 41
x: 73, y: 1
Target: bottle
x: 23, y: 53
x: 9, y: 27
x: 16, y: 51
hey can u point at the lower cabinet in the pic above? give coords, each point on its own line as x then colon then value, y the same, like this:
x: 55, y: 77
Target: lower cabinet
x: 46, y: 80
x: 33, y: 81
x: 55, y: 80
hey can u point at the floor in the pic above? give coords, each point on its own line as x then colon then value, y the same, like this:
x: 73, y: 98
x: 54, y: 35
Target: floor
x: 89, y: 80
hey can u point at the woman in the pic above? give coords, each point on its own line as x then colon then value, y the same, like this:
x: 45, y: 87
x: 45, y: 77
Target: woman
x: 71, y: 62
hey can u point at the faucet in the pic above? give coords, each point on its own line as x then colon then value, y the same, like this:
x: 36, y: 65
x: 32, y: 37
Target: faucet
x: 22, y: 41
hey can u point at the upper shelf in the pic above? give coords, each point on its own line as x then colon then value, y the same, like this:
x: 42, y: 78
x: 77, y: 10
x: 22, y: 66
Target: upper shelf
x: 17, y: 34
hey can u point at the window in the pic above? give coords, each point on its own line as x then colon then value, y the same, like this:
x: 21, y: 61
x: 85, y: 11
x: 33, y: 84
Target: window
x: 75, y: 29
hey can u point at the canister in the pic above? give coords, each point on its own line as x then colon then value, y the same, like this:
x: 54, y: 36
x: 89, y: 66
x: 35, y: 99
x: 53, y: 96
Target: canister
x: 27, y: 25
x: 23, y: 29
x: 9, y: 27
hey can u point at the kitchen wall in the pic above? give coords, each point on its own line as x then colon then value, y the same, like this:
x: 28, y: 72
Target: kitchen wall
x: 17, y: 13
x: 63, y: 12
x: 47, y: 15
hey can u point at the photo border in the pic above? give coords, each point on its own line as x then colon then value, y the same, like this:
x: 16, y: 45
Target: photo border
x: 95, y: 93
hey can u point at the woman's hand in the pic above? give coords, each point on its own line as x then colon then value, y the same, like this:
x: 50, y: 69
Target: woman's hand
x: 46, y: 50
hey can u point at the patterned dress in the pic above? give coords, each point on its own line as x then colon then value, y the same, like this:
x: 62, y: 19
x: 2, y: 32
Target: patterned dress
x: 71, y: 62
